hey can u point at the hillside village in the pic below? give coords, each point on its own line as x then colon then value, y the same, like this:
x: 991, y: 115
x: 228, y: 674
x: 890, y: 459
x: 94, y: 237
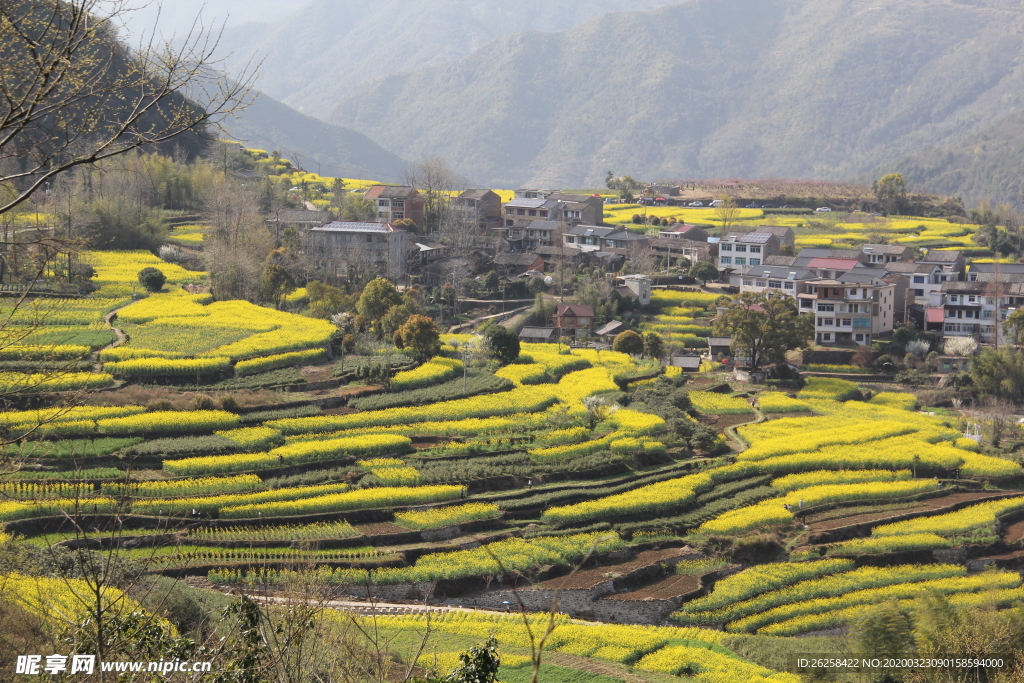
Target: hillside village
x: 262, y: 425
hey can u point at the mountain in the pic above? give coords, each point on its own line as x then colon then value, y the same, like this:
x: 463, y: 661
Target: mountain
x: 709, y: 88
x: 313, y: 57
x: 311, y: 143
x: 983, y: 165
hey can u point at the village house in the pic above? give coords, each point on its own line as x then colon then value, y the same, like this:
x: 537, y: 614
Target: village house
x: 479, y: 207
x: 574, y: 319
x: 397, y: 202
x: 340, y: 246
x: 746, y: 249
x: 854, y: 308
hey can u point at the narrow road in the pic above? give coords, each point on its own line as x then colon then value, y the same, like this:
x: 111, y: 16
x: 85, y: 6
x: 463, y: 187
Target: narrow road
x: 119, y: 338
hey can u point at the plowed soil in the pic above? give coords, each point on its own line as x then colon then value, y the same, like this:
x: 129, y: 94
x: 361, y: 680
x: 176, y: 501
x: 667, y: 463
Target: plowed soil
x: 588, y: 578
x: 666, y: 589
x: 835, y: 519
x: 1014, y: 533
x: 380, y: 528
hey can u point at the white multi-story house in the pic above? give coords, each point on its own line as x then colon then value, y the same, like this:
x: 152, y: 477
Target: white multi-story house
x: 750, y: 249
x: 853, y: 308
x: 779, y: 279
x: 971, y: 309
x: 341, y: 246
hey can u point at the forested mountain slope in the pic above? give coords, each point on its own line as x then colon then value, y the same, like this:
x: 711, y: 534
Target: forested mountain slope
x: 747, y: 88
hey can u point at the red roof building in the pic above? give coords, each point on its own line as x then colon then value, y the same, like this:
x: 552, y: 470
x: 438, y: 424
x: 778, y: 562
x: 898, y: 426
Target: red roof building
x: 574, y: 317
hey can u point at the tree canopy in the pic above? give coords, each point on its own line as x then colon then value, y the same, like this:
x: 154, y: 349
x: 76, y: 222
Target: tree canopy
x: 764, y: 327
x: 703, y: 271
x: 377, y: 298
x: 420, y: 335
x: 502, y: 343
x: 628, y: 342
x: 152, y: 279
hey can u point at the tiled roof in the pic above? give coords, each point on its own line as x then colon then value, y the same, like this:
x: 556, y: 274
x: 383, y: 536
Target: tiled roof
x: 508, y: 259
x: 885, y: 248
x: 539, y: 202
x: 909, y: 267
x: 475, y: 194
x: 353, y: 226
x: 578, y: 310
x: 833, y: 263
x: 942, y: 256
x: 610, y: 327
x: 536, y: 333
x: 389, y: 192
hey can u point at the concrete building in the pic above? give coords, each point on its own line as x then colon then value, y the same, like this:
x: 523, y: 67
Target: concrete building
x: 879, y: 254
x: 951, y: 261
x: 613, y: 240
x: 480, y: 207
x: 682, y: 231
x: 396, y: 202
x: 341, y: 246
x: 530, y: 209
x: 971, y: 309
x: 636, y: 286
x: 525, y: 236
x: 853, y: 308
x: 747, y: 249
x: 780, y: 279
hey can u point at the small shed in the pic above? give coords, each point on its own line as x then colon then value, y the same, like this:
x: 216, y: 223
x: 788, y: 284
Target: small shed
x: 537, y: 334
x: 719, y: 345
x: 689, y: 363
x: 949, y: 364
x: 608, y: 331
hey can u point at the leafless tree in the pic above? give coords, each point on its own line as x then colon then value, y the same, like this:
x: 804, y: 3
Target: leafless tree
x: 436, y: 182
x: 63, y: 63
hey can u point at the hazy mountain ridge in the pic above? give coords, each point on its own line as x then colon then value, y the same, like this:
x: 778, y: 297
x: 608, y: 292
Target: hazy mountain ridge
x: 339, y: 151
x: 316, y: 55
x: 765, y: 88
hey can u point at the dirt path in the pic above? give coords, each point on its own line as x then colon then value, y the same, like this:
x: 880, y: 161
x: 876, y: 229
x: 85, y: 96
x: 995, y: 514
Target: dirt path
x: 588, y: 578
x: 119, y: 338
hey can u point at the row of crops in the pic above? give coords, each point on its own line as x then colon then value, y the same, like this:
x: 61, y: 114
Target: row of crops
x: 682, y: 318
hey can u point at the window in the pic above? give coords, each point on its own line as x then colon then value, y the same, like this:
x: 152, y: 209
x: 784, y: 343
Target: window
x: 382, y: 203
x: 862, y: 322
x: 573, y: 214
x: 986, y: 314
x: 533, y: 212
x: 398, y: 204
x: 747, y: 282
x: 726, y: 247
x: 741, y: 260
x: 918, y: 279
x: 569, y: 239
x: 788, y: 285
x: 520, y: 212
x: 755, y: 261
x: 741, y: 248
x: 775, y: 284
x: 991, y: 300
x: 826, y: 307
x: 829, y: 321
x: 762, y: 283
x: 755, y: 250
x: 398, y: 215
x: 826, y: 336
x: 508, y: 211
x: 972, y: 299
x: 369, y: 238
x: 806, y: 303
x: 858, y: 337
x: 953, y: 299
x: 846, y: 322
x: 950, y: 313
x: 918, y: 292
x: 726, y: 260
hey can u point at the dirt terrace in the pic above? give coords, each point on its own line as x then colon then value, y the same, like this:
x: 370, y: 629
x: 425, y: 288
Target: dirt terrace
x: 838, y: 518
x: 588, y: 578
